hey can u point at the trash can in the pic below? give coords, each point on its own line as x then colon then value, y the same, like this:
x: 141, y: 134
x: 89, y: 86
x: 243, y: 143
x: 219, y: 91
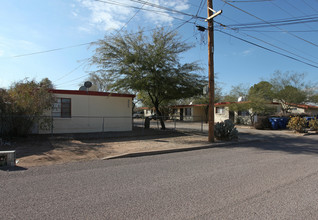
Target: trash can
x: 274, y: 123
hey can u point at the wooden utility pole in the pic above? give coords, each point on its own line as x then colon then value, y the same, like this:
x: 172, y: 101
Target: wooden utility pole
x: 211, y: 15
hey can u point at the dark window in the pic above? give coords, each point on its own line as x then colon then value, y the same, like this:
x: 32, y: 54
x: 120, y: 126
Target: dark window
x: 188, y: 111
x: 66, y: 108
x: 219, y: 110
x: 243, y: 113
x: 62, y: 108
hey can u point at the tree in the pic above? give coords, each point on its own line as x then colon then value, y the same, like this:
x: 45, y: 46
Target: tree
x: 262, y: 90
x: 23, y: 104
x: 290, y: 88
x: 240, y: 90
x: 148, y: 64
x: 259, y: 96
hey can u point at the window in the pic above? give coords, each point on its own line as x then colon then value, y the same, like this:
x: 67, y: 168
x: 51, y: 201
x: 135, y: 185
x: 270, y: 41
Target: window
x: 62, y: 108
x: 219, y: 110
x: 188, y: 112
x: 174, y: 111
x: 243, y: 113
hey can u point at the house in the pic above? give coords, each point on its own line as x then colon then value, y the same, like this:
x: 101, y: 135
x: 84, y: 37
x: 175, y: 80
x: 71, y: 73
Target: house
x: 311, y: 110
x: 196, y: 112
x: 89, y: 111
x: 199, y: 112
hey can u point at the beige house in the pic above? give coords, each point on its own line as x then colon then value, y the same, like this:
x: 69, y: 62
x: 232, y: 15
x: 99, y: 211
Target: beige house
x: 90, y: 111
x: 303, y: 109
x: 221, y: 113
x: 199, y: 112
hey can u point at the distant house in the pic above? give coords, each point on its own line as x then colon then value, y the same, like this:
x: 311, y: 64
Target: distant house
x: 196, y: 112
x: 89, y: 111
x: 303, y: 109
x: 199, y: 112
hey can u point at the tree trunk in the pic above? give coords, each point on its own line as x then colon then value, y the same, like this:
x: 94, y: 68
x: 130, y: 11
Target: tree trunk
x: 162, y: 123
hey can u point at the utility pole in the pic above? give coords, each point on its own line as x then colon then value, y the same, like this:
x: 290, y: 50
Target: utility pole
x: 211, y: 15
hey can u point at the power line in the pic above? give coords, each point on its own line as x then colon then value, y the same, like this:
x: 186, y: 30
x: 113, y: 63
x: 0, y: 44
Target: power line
x: 166, y: 8
x: 185, y: 22
x: 257, y: 45
x: 301, y: 31
x: 51, y: 50
x: 310, y: 6
x: 278, y: 22
x: 294, y: 35
x: 291, y: 46
x: 131, y: 18
x: 280, y: 48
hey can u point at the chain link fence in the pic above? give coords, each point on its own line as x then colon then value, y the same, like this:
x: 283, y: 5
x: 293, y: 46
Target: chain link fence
x: 11, y: 126
x: 188, y: 123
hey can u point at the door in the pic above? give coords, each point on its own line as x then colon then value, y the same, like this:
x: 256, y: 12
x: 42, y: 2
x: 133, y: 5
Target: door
x: 181, y: 114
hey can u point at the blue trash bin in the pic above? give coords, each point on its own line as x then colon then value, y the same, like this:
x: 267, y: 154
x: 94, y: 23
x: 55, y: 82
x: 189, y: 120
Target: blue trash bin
x: 274, y: 123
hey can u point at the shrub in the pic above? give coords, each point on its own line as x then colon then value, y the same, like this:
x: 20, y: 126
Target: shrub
x: 262, y: 123
x: 313, y: 124
x: 225, y: 130
x: 297, y: 124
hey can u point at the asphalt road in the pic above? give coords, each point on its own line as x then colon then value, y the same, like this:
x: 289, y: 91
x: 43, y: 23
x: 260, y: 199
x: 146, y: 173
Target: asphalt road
x: 274, y: 179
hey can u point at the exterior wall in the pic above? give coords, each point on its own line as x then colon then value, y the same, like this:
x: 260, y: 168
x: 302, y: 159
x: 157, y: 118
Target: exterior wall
x: 91, y: 113
x: 199, y: 113
x: 220, y: 117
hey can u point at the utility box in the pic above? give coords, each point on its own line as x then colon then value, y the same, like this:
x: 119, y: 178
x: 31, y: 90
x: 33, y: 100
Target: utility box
x: 7, y: 158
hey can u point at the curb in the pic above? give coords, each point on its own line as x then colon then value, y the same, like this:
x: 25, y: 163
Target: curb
x: 151, y: 153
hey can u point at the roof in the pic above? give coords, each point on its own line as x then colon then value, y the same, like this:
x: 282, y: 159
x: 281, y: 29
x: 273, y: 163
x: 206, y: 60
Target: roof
x: 90, y: 93
x: 215, y: 104
x: 304, y: 106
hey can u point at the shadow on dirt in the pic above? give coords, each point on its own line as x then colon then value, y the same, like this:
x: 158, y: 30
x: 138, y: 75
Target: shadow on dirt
x: 81, y: 143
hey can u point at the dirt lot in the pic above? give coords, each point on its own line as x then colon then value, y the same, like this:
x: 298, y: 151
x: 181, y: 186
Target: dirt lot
x: 47, y: 150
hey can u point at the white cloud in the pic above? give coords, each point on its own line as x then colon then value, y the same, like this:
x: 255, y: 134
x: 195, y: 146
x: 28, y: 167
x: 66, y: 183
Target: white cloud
x: 246, y: 52
x: 105, y: 17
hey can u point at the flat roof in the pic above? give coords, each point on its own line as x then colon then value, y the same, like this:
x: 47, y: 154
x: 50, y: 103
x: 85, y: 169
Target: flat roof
x: 91, y: 93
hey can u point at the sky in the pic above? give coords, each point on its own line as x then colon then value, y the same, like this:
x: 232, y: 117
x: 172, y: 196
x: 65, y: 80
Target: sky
x: 253, y: 38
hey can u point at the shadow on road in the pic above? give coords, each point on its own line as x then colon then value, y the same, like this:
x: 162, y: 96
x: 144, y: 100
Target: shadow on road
x: 289, y: 144
x: 11, y: 169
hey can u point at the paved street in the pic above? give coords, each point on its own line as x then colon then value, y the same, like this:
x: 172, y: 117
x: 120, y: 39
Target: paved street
x: 274, y: 179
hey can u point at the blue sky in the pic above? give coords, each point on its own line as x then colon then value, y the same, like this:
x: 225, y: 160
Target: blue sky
x: 33, y: 26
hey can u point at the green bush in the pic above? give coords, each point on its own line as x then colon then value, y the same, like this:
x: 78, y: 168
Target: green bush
x: 297, y: 124
x: 313, y: 124
x: 225, y: 130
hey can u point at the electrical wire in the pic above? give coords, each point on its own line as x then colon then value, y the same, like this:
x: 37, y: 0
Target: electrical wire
x: 257, y: 45
x: 280, y: 48
x: 278, y: 22
x: 290, y: 46
x: 185, y: 22
x: 294, y: 35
